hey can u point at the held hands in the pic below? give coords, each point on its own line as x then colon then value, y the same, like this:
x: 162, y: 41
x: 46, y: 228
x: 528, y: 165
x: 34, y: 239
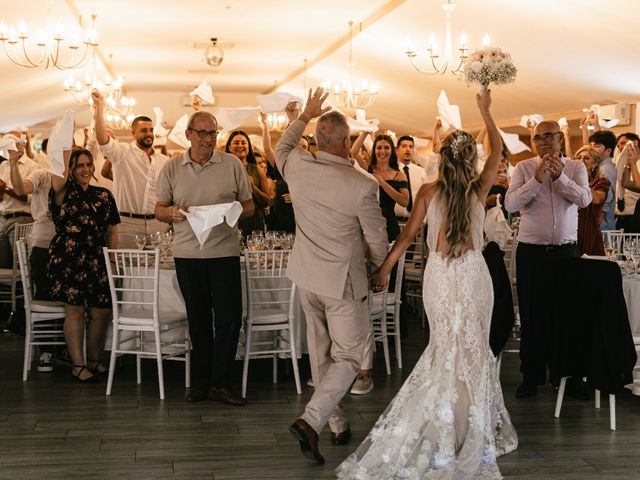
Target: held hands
x: 378, y: 281
x: 313, y: 108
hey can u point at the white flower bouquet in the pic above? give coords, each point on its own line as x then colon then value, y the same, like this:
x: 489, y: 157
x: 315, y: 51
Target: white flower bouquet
x: 489, y: 65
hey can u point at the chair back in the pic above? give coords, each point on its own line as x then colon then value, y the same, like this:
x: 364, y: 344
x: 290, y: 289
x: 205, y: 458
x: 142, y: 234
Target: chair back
x: 134, y: 278
x: 25, y: 272
x: 267, y: 286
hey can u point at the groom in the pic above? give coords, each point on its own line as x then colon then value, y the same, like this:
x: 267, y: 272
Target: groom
x: 336, y: 209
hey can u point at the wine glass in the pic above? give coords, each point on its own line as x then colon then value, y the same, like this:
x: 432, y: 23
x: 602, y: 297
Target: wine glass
x: 610, y: 250
x: 141, y: 241
x: 628, y: 248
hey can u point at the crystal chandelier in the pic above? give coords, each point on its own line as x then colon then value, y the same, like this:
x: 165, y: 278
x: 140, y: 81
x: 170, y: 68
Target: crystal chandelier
x: 49, y: 49
x: 80, y: 91
x: 440, y: 64
x: 349, y: 94
x: 277, y: 121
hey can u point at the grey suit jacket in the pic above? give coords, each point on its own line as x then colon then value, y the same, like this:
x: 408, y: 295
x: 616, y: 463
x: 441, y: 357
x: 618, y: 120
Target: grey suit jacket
x: 336, y: 209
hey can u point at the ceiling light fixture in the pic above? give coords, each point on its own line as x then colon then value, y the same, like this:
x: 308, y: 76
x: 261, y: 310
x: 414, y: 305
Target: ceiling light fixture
x: 440, y: 64
x: 348, y: 94
x: 49, y: 49
x: 214, y: 54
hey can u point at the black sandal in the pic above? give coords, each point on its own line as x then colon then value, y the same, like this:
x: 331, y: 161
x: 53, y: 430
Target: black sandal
x: 96, y: 369
x: 76, y: 378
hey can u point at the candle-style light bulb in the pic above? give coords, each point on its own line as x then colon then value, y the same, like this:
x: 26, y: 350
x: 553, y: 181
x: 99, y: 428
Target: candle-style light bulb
x: 485, y: 40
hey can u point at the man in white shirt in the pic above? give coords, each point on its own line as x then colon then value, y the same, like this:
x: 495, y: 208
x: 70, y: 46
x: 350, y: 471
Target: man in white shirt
x: 416, y: 175
x: 14, y: 208
x: 136, y: 167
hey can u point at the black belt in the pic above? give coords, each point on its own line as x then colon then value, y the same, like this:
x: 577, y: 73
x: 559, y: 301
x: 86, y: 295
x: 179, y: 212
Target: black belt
x: 147, y: 216
x: 548, y: 248
x: 14, y: 214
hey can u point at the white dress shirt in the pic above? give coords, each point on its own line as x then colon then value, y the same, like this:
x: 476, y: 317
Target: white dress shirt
x: 417, y: 178
x: 9, y: 204
x: 43, y: 228
x: 135, y: 175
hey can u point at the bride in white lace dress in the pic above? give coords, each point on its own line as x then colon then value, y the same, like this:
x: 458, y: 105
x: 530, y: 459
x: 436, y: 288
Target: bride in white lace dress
x: 448, y: 421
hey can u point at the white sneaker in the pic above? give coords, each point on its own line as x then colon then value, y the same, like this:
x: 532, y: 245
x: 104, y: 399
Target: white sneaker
x: 46, y: 362
x: 362, y: 385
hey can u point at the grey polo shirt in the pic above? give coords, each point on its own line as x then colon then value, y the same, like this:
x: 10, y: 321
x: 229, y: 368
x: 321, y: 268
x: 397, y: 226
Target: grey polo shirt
x: 223, y: 179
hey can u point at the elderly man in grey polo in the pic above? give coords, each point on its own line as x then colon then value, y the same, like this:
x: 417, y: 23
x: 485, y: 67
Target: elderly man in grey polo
x: 208, y: 275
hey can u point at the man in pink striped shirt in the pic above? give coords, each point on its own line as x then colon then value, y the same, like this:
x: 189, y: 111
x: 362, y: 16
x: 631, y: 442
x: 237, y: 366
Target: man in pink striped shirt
x: 547, y: 191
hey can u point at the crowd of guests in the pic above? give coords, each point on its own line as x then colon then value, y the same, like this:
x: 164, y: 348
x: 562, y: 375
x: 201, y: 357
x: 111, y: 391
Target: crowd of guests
x: 594, y: 189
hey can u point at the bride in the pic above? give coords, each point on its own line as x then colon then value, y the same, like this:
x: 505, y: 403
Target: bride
x: 448, y: 421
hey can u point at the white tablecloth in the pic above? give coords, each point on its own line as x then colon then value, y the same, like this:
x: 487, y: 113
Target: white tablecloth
x: 170, y: 300
x: 631, y: 288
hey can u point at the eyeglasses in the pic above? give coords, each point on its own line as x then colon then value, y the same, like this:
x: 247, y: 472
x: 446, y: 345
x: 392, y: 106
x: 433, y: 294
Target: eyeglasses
x: 547, y: 137
x: 205, y: 133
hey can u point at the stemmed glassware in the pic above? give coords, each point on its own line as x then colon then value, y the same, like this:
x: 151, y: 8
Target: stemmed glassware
x: 141, y: 241
x: 629, y: 248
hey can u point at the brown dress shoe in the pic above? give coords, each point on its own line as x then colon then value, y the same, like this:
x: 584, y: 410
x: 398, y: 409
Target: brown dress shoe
x: 341, y: 438
x: 196, y: 394
x: 308, y: 438
x: 223, y: 395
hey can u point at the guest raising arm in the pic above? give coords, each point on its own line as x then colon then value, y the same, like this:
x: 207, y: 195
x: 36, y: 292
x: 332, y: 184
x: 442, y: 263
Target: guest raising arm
x: 86, y: 220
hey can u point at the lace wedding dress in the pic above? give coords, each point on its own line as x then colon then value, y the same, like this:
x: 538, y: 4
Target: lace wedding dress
x: 448, y: 421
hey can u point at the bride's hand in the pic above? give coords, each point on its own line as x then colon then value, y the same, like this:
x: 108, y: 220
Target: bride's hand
x: 378, y: 281
x: 483, y: 98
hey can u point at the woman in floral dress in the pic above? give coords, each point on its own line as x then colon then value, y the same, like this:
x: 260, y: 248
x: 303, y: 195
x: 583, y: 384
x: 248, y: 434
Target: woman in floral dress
x: 86, y: 219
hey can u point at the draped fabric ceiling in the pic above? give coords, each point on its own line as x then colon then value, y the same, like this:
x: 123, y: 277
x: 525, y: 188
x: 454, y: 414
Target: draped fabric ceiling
x: 570, y: 54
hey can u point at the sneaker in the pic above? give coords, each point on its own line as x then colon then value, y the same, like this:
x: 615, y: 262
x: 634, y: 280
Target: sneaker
x: 63, y: 358
x: 362, y: 385
x: 310, y: 383
x: 46, y: 362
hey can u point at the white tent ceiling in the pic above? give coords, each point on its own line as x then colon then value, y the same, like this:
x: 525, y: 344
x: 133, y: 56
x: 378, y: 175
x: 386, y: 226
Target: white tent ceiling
x: 569, y: 54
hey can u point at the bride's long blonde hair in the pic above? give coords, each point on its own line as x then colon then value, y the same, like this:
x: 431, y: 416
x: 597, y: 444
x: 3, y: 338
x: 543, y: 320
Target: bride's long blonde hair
x: 458, y: 181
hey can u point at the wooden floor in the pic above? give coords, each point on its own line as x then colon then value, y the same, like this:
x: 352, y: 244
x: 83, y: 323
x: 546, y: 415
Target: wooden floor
x: 52, y: 428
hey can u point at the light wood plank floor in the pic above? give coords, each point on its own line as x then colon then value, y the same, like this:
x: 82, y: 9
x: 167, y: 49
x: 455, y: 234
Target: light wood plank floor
x: 52, y: 428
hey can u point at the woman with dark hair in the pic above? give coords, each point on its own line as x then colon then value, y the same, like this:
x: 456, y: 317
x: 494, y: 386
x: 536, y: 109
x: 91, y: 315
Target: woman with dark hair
x: 238, y: 144
x: 394, y: 187
x: 448, y: 420
x: 86, y: 219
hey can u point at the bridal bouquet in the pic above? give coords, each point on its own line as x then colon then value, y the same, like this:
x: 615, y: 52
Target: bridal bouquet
x: 489, y: 65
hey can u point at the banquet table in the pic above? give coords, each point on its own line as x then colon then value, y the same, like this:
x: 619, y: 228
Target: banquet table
x: 170, y: 300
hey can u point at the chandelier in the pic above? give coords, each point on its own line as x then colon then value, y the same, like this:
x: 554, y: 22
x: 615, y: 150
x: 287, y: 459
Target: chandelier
x: 349, y: 94
x: 277, y: 121
x: 49, y: 49
x: 80, y: 91
x: 440, y: 64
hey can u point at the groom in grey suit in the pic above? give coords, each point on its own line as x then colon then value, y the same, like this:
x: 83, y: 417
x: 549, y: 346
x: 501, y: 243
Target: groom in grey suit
x: 336, y: 210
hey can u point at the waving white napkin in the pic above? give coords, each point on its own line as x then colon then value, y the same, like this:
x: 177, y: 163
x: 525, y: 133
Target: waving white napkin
x: 158, y: 129
x: 232, y: 118
x: 9, y: 142
x: 204, y: 92
x: 604, y: 123
x: 496, y: 228
x: 449, y: 114
x: 536, y: 118
x: 277, y: 102
x: 60, y: 139
x: 513, y: 143
x: 177, y: 134
x: 562, y: 122
x: 203, y: 218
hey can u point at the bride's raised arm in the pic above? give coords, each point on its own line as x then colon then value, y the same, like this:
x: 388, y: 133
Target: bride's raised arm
x: 490, y: 170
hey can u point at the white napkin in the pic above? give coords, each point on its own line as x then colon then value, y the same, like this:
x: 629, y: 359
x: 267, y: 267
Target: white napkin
x: 8, y: 142
x: 562, y: 122
x: 158, y: 129
x: 449, y: 114
x: 421, y: 142
x: 60, y: 139
x: 232, y: 118
x: 513, y: 143
x: 277, y: 102
x: 604, y: 123
x: 357, y: 126
x: 536, y: 118
x: 177, y: 134
x: 496, y: 228
x: 204, y: 92
x: 203, y: 218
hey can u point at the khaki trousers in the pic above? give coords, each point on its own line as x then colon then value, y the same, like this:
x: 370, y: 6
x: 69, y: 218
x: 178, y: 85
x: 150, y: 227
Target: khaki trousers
x: 336, y: 334
x: 130, y: 227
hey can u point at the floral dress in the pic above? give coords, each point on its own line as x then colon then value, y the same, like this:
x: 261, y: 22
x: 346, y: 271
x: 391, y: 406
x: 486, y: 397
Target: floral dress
x: 77, y: 270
